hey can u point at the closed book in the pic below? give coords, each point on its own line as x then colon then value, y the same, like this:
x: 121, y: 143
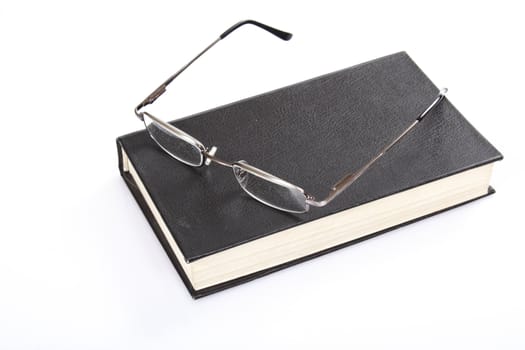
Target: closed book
x: 310, y: 134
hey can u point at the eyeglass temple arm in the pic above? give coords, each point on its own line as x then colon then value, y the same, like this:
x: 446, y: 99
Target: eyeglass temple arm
x: 162, y: 88
x: 349, y: 179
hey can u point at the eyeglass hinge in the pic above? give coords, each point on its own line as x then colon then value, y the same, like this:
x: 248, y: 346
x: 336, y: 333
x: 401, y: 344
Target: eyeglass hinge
x: 149, y: 100
x: 310, y: 200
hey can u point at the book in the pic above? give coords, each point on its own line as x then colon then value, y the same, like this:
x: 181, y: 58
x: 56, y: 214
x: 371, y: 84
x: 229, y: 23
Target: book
x: 310, y: 133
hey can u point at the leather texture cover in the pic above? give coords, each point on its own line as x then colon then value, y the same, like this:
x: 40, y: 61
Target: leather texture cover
x: 310, y: 134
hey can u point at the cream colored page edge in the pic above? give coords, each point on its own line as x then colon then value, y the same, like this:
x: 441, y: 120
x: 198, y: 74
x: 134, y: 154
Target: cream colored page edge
x: 340, y: 228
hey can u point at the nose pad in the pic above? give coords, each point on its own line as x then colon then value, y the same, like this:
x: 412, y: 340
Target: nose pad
x: 211, y: 152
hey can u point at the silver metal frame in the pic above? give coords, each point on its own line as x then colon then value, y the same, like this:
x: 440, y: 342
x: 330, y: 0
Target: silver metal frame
x: 350, y: 178
x: 208, y: 154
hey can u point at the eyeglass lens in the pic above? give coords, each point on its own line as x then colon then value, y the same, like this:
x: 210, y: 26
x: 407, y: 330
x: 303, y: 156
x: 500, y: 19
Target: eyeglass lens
x: 280, y: 196
x: 172, y: 144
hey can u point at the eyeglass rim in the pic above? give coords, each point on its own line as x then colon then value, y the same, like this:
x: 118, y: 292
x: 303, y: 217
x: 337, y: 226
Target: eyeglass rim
x: 273, y: 179
x: 181, y: 135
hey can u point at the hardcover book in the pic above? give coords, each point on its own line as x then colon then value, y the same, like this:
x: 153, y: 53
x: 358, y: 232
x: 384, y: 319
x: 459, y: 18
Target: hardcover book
x: 308, y: 133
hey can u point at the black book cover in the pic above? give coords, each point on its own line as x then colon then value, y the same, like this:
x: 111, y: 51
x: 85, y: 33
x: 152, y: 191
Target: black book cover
x: 310, y: 134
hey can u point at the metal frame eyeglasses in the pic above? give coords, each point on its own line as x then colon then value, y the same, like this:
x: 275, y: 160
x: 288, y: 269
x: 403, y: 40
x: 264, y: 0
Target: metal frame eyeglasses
x: 264, y: 187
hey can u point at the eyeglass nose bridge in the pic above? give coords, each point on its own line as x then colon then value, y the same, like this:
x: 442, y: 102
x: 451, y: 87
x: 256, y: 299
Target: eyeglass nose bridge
x: 209, y: 155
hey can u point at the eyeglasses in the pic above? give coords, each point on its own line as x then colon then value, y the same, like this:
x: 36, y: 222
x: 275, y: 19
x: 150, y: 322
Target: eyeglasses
x: 264, y: 187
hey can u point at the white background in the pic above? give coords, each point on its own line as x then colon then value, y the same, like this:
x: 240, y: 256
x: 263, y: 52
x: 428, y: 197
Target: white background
x: 81, y: 269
